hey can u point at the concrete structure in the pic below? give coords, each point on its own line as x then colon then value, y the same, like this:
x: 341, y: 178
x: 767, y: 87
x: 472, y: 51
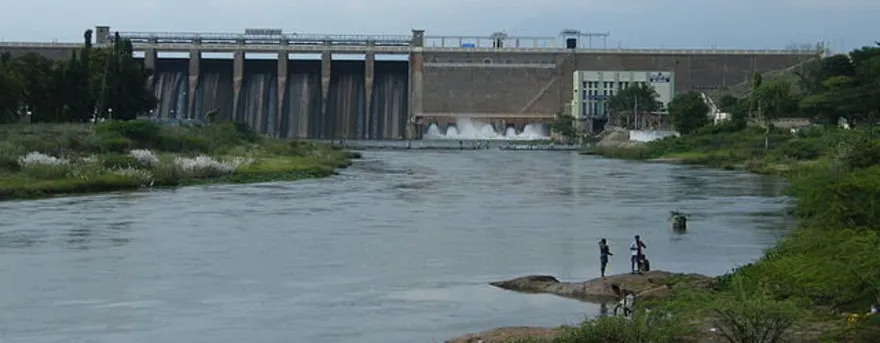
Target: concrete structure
x: 592, y: 89
x: 501, y: 78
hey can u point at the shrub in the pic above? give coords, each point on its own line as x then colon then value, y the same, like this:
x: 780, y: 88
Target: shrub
x: 138, y: 176
x: 183, y: 142
x: 866, y: 329
x: 114, y: 144
x: 859, y: 152
x: 204, y: 166
x: 802, y: 149
x: 36, y: 158
x: 144, y: 133
x: 9, y: 156
x: 119, y: 161
x: 145, y: 157
x: 834, y: 199
x: 644, y: 327
x: 754, y: 318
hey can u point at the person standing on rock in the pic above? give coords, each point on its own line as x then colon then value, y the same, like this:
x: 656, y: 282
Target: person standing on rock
x: 637, y: 250
x: 604, y: 252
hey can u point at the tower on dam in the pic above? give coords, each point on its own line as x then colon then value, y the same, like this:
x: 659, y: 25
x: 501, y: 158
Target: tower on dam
x: 503, y: 80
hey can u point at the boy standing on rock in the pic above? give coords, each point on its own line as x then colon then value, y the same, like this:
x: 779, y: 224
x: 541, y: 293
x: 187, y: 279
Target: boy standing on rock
x: 604, y: 252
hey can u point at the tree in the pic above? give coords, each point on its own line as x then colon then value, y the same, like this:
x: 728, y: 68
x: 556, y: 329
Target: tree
x: 68, y: 91
x: 564, y: 125
x: 774, y: 99
x: 737, y: 108
x: 631, y: 102
x: 688, y: 112
x: 11, y: 91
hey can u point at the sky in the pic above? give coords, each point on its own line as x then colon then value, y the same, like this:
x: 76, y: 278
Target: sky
x: 740, y: 24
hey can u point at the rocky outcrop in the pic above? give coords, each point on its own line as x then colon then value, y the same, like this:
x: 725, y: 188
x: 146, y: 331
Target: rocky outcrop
x: 507, y: 334
x: 655, y: 283
x: 615, y: 138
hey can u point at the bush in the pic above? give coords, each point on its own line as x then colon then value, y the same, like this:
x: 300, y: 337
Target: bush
x: 46, y: 171
x: 114, y: 144
x: 645, y: 327
x: 183, y: 142
x: 119, y: 161
x: 866, y: 329
x: 142, y: 132
x: 859, y: 152
x: 802, y: 149
x: 755, y: 318
x: 839, y: 199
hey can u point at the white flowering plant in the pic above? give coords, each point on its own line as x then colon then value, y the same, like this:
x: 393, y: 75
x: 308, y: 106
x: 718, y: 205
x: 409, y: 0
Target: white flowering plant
x: 44, y: 166
x: 204, y: 166
x: 145, y: 157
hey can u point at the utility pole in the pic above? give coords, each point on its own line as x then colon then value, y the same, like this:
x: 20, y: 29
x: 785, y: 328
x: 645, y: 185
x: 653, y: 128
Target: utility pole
x: 635, y: 112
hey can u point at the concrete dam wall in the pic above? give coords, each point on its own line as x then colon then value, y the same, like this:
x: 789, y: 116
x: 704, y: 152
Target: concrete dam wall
x: 509, y: 82
x: 298, y: 114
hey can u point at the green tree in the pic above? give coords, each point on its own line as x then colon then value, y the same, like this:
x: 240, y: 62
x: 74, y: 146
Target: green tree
x: 737, y: 108
x: 564, y: 125
x: 688, y: 112
x: 774, y: 99
x: 632, y: 102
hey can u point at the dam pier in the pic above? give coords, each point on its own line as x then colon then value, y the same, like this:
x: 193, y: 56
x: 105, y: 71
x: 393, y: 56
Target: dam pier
x: 383, y: 87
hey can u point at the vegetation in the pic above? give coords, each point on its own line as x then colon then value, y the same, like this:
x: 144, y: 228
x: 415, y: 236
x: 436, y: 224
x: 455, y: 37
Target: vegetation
x: 688, y: 112
x: 632, y: 102
x: 94, y: 82
x: 819, y: 281
x: 564, y: 125
x: 39, y: 160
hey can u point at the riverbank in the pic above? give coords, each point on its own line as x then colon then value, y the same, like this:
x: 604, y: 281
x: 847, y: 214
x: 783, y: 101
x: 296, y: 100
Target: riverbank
x: 805, y: 287
x: 42, y: 160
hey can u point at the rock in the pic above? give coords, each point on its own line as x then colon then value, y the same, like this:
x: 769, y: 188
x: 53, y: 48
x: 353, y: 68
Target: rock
x: 651, y: 284
x: 507, y: 334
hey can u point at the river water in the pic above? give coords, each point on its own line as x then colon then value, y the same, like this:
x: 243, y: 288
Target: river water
x: 375, y: 254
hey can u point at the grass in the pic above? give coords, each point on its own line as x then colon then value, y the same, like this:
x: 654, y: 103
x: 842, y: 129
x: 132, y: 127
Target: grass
x: 805, y: 287
x: 101, y: 158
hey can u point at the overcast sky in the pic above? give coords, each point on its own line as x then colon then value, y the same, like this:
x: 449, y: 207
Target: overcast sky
x: 633, y: 23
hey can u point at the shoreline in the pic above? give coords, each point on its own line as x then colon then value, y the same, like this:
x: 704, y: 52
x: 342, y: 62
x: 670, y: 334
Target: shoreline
x: 293, y: 177
x: 541, y: 334
x: 41, y: 161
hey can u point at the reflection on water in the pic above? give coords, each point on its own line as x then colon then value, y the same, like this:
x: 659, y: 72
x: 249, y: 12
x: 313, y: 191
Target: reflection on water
x: 377, y: 254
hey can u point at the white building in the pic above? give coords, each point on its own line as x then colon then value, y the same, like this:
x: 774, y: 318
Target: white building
x: 592, y: 89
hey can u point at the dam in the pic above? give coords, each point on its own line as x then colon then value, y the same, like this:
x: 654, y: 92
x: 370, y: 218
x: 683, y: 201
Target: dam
x: 498, y: 84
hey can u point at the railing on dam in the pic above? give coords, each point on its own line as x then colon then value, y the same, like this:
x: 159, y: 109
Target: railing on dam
x: 231, y: 47
x: 278, y: 39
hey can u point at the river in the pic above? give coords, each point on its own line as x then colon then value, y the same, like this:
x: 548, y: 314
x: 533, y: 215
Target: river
x: 375, y: 254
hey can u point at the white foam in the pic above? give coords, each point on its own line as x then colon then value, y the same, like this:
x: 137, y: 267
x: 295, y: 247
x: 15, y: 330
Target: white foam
x: 468, y: 129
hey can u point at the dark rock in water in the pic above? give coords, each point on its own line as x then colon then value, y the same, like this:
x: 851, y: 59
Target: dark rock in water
x: 651, y: 284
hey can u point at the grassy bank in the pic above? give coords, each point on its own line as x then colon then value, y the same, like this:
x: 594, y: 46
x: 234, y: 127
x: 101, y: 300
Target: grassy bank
x: 44, y: 160
x: 733, y: 148
x: 807, y: 287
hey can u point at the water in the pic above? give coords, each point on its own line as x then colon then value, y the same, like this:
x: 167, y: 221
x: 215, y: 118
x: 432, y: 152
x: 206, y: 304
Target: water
x: 373, y: 255
x: 469, y: 129
x: 299, y: 114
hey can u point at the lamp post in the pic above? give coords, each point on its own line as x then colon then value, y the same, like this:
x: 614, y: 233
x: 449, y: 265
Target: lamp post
x: 110, y: 114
